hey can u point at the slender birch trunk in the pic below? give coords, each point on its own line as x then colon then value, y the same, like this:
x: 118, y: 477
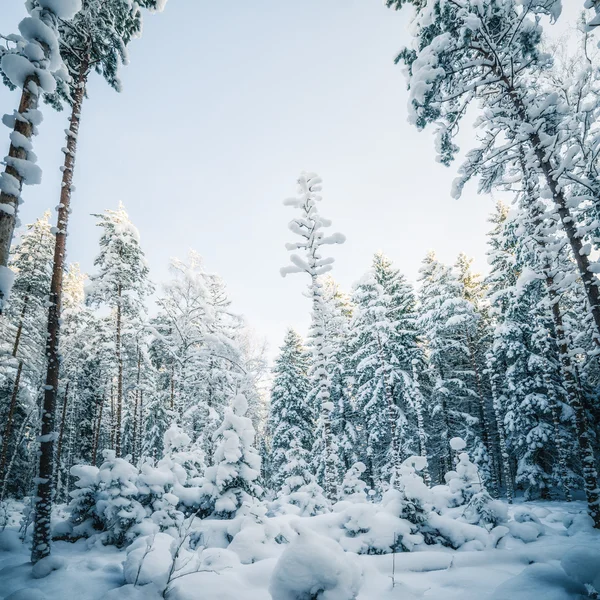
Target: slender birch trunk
x: 45, y: 487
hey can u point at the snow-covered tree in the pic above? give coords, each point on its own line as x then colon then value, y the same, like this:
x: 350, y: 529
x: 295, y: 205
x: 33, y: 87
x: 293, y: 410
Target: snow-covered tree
x: 23, y: 347
x: 232, y: 479
x: 446, y: 318
x: 33, y: 63
x: 309, y: 226
x: 122, y: 284
x: 384, y: 345
x: 291, y: 419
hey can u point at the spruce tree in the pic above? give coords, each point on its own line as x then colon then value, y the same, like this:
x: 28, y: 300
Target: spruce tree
x: 445, y: 318
x: 291, y: 419
x: 309, y: 227
x: 122, y: 284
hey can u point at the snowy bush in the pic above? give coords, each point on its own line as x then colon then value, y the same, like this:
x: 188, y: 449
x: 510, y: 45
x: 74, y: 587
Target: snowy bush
x: 253, y: 534
x: 105, y: 502
x: 353, y: 488
x: 231, y: 480
x: 314, y: 567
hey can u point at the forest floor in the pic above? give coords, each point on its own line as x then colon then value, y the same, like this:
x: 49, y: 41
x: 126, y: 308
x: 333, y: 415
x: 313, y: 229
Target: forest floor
x: 515, y: 571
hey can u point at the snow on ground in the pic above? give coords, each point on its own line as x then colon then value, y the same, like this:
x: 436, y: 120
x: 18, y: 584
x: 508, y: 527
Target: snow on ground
x: 555, y: 566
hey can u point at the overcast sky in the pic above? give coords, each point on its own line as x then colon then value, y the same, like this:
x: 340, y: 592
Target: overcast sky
x: 224, y: 103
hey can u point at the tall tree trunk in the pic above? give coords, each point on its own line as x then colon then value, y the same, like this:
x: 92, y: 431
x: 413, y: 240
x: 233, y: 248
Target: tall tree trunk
x: 172, y: 386
x: 98, y: 429
x: 323, y: 394
x: 141, y: 425
x: 548, y: 171
x: 10, y: 418
x: 485, y: 426
x: 61, y: 433
x: 118, y: 424
x: 136, y: 406
x: 498, y: 414
x: 113, y: 415
x: 45, y: 488
x: 418, y: 402
x: 392, y: 419
x: 19, y: 437
x: 9, y: 202
x: 15, y: 393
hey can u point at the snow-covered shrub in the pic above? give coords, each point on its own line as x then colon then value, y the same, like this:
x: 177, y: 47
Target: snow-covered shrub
x: 232, y: 479
x: 300, y: 490
x: 353, y: 488
x: 149, y: 560
x: 416, y: 501
x: 314, y: 567
x: 83, y: 518
x: 106, y: 501
x: 464, y: 482
x: 154, y: 484
x: 254, y: 535
x: 485, y: 511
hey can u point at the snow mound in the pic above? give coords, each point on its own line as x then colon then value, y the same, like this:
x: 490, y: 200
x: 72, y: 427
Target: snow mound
x: 27, y: 594
x: 540, y: 581
x: 64, y: 9
x: 315, y: 567
x: 10, y: 541
x: 457, y: 444
x: 46, y: 565
x: 149, y: 560
x: 582, y: 565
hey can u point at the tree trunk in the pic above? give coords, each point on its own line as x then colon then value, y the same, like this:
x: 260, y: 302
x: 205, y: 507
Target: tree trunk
x: 9, y: 203
x: 141, y: 426
x: 113, y: 416
x: 10, y: 418
x: 485, y: 426
x: 420, y: 421
x: 98, y: 430
x: 560, y: 201
x: 323, y: 395
x: 61, y: 435
x: 504, y: 456
x: 45, y: 488
x: 119, y: 357
x: 172, y: 386
x: 14, y: 453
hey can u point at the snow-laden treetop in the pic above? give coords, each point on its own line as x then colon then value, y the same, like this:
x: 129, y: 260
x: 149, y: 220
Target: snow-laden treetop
x: 309, y: 227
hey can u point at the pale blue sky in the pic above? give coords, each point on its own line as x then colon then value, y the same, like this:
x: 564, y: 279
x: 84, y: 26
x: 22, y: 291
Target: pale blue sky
x: 224, y: 103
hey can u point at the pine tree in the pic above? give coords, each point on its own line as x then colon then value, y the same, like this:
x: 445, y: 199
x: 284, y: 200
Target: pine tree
x: 122, y: 284
x: 489, y: 53
x: 445, y: 319
x: 33, y: 65
x: 291, y: 420
x: 309, y: 227
x: 384, y: 343
x: 24, y: 344
x: 232, y: 480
